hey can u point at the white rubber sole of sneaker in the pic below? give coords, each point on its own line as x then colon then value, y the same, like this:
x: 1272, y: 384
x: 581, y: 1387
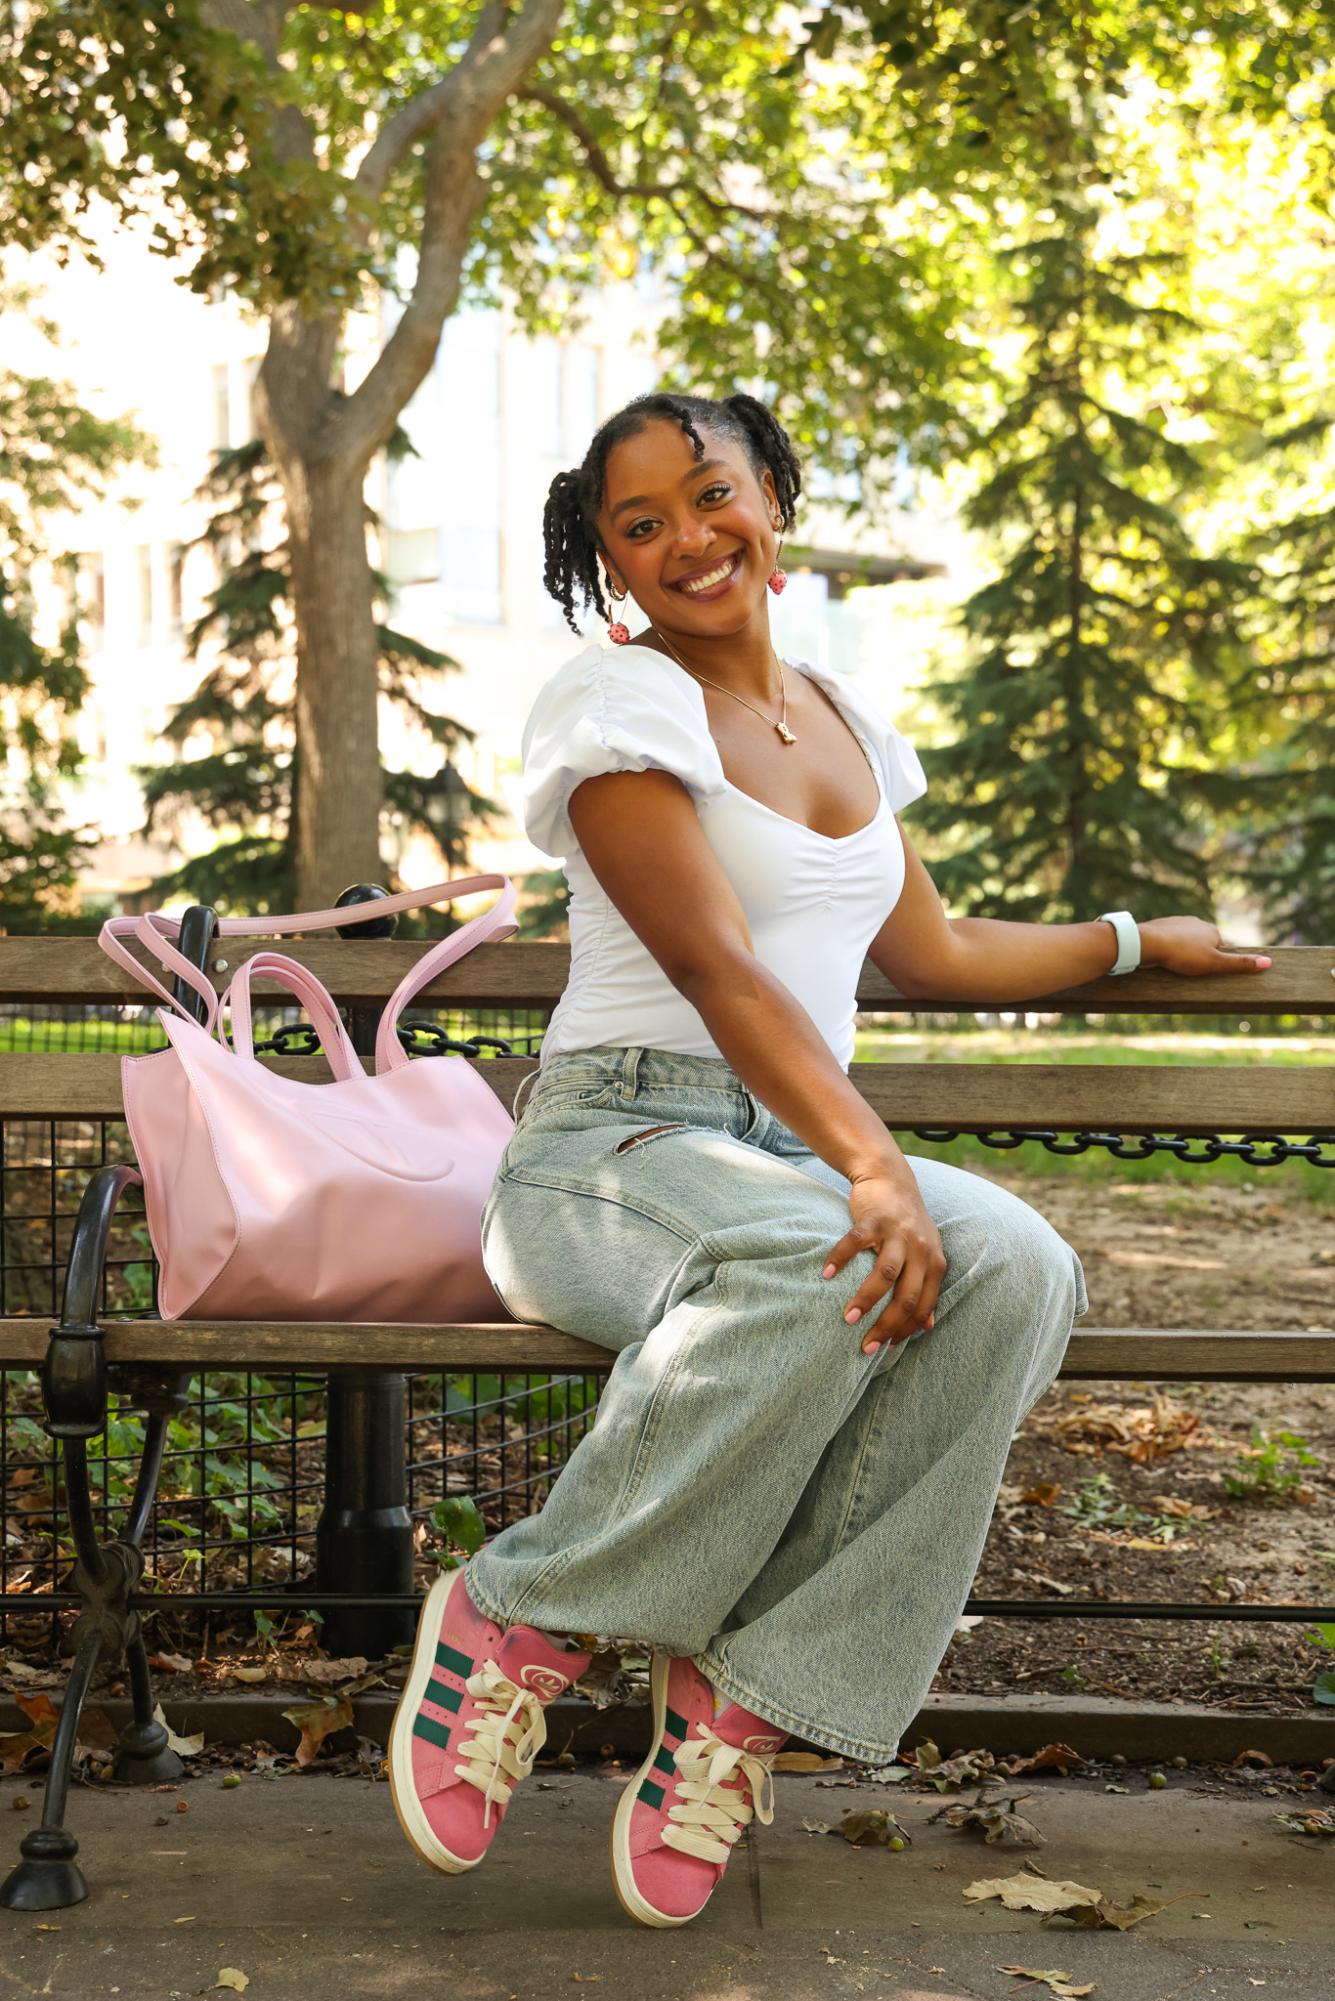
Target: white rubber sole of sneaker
x: 623, y: 1873
x: 407, y: 1807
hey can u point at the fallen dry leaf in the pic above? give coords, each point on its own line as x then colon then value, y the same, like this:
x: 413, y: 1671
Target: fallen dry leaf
x: 1106, y: 1917
x: 1186, y: 1511
x: 1050, y: 1758
x: 1253, y: 1758
x: 806, y: 1761
x: 233, y: 1977
x: 1031, y: 1892
x: 318, y: 1720
x: 1059, y: 1982
x: 17, y: 1745
x: 171, y: 1663
x: 188, y: 1747
x: 995, y: 1818
x: 248, y: 1674
x: 335, y: 1671
x: 1310, y: 1820
x: 1042, y: 1494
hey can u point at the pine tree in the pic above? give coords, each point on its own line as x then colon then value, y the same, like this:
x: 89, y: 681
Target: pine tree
x: 245, y: 785
x: 52, y: 450
x: 1080, y: 732
x: 1287, y: 798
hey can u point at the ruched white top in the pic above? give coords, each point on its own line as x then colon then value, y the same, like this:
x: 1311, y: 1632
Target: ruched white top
x: 813, y: 902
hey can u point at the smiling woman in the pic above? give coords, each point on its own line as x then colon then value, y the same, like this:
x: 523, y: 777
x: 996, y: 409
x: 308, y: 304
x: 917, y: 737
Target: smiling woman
x: 790, y: 1523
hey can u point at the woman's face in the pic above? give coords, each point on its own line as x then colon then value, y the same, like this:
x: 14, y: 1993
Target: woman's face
x: 694, y: 542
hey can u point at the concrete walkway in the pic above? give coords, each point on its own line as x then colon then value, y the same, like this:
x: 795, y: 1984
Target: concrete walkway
x: 306, y: 1885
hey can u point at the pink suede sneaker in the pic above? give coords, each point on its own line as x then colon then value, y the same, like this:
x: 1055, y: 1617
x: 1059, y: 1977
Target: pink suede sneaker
x: 677, y: 1821
x: 469, y: 1724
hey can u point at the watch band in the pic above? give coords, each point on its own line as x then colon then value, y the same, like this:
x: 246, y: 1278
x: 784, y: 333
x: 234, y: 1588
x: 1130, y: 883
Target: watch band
x: 1128, y: 940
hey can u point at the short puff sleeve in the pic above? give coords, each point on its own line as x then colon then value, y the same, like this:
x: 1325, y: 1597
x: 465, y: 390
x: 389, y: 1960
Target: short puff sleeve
x: 628, y: 710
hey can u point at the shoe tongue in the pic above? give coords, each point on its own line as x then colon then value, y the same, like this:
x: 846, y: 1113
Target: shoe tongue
x: 531, y: 1661
x: 736, y: 1725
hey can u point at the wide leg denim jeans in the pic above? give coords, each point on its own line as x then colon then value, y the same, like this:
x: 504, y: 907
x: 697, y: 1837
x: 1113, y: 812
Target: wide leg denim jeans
x: 802, y: 1519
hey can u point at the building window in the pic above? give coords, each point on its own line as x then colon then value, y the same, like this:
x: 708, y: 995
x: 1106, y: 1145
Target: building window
x: 144, y: 565
x: 580, y: 400
x: 222, y: 407
x: 470, y: 573
x: 412, y: 555
x: 175, y: 581
x: 92, y: 595
x: 567, y: 385
x: 252, y: 377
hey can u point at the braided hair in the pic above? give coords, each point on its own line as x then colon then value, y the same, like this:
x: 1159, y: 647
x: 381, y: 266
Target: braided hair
x: 574, y: 498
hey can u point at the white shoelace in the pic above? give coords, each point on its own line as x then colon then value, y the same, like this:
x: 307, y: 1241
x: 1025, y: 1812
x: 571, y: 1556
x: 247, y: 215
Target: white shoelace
x: 707, y: 1819
x: 504, y: 1739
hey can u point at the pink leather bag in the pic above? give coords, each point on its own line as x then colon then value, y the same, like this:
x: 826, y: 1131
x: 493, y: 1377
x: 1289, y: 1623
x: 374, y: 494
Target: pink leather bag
x: 269, y: 1198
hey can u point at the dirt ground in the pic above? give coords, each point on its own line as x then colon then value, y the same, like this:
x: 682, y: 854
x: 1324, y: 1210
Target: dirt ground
x: 1144, y: 1476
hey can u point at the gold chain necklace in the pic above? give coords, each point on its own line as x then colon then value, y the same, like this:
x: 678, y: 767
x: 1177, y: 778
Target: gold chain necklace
x: 781, y: 726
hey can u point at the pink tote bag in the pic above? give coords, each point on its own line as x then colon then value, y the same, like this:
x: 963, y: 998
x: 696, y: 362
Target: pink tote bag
x: 358, y: 1198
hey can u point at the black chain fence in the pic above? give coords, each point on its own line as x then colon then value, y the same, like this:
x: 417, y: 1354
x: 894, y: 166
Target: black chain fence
x: 243, y: 1474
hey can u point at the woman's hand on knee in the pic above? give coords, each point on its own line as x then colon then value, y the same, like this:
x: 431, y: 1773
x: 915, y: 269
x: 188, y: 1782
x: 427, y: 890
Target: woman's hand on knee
x: 890, y: 1221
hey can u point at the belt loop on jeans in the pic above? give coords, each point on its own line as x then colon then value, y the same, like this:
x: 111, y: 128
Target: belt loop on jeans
x: 630, y: 1072
x: 524, y: 1084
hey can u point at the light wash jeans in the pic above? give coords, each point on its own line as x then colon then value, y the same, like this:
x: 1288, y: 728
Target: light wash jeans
x: 802, y: 1519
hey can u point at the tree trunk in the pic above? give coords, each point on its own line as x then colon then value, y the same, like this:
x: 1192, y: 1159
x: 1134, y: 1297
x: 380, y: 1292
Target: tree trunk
x: 337, y: 804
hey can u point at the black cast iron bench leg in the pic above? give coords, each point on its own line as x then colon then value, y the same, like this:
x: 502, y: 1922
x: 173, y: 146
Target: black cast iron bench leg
x: 74, y: 1390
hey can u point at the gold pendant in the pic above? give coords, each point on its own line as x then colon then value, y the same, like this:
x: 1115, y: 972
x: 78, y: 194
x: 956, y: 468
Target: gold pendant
x: 785, y: 732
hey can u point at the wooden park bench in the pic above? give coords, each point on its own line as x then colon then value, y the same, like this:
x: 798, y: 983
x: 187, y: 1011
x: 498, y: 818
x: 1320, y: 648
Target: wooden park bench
x: 1267, y: 1108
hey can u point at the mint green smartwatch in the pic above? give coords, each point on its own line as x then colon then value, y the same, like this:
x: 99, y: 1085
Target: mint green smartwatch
x: 1128, y: 940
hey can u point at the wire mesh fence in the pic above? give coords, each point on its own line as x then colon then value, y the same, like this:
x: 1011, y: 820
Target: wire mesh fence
x: 243, y: 1470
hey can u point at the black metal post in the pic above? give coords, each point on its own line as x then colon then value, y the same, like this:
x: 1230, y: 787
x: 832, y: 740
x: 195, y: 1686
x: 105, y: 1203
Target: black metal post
x: 364, y: 1537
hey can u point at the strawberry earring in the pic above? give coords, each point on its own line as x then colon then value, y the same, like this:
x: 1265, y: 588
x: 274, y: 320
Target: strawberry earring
x: 778, y: 579
x: 618, y: 633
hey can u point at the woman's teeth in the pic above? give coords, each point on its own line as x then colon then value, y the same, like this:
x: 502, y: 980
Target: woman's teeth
x: 708, y: 582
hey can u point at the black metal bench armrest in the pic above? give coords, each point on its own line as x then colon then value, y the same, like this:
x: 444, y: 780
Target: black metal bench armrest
x: 74, y: 1370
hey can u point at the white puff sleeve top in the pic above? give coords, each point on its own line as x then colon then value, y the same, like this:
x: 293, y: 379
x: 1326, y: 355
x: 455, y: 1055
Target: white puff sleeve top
x: 813, y: 902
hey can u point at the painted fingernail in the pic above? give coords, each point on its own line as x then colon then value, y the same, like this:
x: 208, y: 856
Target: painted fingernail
x: 828, y: 1272
x: 853, y: 1314
x: 870, y: 1347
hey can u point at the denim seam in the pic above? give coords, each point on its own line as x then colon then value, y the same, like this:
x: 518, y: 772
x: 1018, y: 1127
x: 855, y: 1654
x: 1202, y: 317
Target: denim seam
x: 657, y: 1403
x: 561, y: 1559
x: 855, y: 1484
x: 716, y: 1670
x: 564, y: 1186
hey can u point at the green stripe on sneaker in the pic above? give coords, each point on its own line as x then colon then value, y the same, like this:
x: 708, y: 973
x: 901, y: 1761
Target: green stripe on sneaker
x: 435, y: 1733
x: 665, y: 1760
x: 676, y: 1724
x: 651, y: 1794
x: 448, y: 1698
x: 453, y: 1661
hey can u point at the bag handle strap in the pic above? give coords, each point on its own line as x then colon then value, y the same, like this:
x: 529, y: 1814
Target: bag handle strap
x: 492, y: 925
x: 158, y: 933
x: 302, y: 984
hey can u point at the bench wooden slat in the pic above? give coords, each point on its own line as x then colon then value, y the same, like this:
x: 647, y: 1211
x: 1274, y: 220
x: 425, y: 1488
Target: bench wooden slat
x: 1134, y: 1098
x: 531, y: 974
x: 1113, y: 1353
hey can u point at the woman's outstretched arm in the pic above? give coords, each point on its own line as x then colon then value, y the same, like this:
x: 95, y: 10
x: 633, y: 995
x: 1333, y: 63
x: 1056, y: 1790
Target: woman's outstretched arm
x: 989, y: 959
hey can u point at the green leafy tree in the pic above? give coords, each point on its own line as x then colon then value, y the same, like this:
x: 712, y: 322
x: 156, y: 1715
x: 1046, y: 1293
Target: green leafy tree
x: 246, y: 783
x: 317, y: 159
x: 1103, y: 647
x: 52, y: 451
